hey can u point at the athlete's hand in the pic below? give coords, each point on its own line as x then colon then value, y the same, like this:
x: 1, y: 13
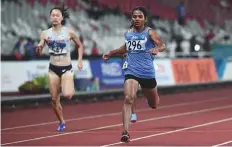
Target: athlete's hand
x: 80, y: 64
x: 154, y: 51
x: 39, y: 50
x: 106, y: 56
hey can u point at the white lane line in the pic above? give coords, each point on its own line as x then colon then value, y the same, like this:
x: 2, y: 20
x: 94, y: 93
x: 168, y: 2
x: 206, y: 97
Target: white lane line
x: 169, y: 132
x: 113, y: 114
x: 114, y: 131
x: 224, y: 143
x: 116, y: 125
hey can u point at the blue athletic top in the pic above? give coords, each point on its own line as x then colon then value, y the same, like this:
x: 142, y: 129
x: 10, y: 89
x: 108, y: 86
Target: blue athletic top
x: 138, y: 61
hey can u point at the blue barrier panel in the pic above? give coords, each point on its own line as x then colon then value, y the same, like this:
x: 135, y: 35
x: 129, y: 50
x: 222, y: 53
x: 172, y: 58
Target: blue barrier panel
x: 220, y: 64
x: 109, y: 73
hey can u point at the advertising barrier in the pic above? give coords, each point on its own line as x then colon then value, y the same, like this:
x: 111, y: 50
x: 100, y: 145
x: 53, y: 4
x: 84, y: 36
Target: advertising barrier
x: 110, y: 73
x: 85, y: 73
x: 163, y: 72
x: 227, y: 74
x: 224, y: 69
x: 14, y: 74
x: 97, y: 74
x: 188, y: 71
x: 220, y: 67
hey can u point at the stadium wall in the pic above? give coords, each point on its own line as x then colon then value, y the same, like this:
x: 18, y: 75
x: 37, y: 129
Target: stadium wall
x: 99, y: 77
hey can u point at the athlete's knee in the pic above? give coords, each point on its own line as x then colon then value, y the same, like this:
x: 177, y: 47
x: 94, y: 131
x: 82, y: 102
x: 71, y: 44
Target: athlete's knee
x: 129, y: 99
x: 55, y: 102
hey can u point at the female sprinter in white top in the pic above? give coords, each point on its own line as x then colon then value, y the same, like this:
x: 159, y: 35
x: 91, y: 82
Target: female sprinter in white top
x: 60, y: 75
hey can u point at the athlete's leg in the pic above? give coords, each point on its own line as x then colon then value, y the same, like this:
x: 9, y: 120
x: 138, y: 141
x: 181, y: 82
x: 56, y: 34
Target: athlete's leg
x: 133, y: 115
x: 152, y: 96
x: 133, y: 106
x: 67, y: 84
x: 133, y: 111
x: 130, y: 90
x: 54, y: 87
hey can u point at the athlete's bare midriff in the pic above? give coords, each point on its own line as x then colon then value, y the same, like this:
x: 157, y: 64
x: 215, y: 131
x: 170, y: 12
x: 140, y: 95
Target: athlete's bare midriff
x: 60, y: 60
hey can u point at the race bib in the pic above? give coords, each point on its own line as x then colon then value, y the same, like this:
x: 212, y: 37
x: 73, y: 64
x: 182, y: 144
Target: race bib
x: 57, y: 48
x: 135, y: 45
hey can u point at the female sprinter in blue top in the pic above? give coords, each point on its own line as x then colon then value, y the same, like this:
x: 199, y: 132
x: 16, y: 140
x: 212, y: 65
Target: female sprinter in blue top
x: 60, y: 74
x: 141, y: 43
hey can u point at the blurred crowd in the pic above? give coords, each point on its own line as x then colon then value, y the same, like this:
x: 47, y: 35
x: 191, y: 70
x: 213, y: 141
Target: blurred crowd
x: 184, y: 37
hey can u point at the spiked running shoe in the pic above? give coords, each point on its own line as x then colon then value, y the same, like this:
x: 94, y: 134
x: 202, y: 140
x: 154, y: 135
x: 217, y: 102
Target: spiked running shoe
x: 133, y: 117
x: 61, y: 127
x: 125, y: 137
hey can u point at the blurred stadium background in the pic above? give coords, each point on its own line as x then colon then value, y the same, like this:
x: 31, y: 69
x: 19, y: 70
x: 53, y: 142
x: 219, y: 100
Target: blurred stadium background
x: 197, y: 33
x: 101, y: 24
x: 194, y: 74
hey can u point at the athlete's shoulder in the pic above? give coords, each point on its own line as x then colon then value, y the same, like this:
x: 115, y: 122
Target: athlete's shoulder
x: 49, y: 29
x: 67, y: 28
x: 46, y: 31
x: 71, y: 32
x: 130, y: 30
x: 127, y: 31
x: 149, y: 29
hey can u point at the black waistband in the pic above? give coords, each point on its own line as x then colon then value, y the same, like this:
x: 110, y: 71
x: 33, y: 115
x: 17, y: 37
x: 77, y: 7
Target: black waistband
x: 58, y: 54
x: 55, y: 66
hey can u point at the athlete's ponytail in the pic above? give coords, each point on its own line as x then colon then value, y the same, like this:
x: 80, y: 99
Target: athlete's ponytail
x: 64, y: 12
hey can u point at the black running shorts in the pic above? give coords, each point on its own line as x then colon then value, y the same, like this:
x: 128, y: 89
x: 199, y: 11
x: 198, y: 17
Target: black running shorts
x: 144, y: 83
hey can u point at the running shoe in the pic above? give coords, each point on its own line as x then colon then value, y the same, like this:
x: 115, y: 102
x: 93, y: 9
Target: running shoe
x: 133, y: 117
x: 125, y: 137
x: 61, y: 127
